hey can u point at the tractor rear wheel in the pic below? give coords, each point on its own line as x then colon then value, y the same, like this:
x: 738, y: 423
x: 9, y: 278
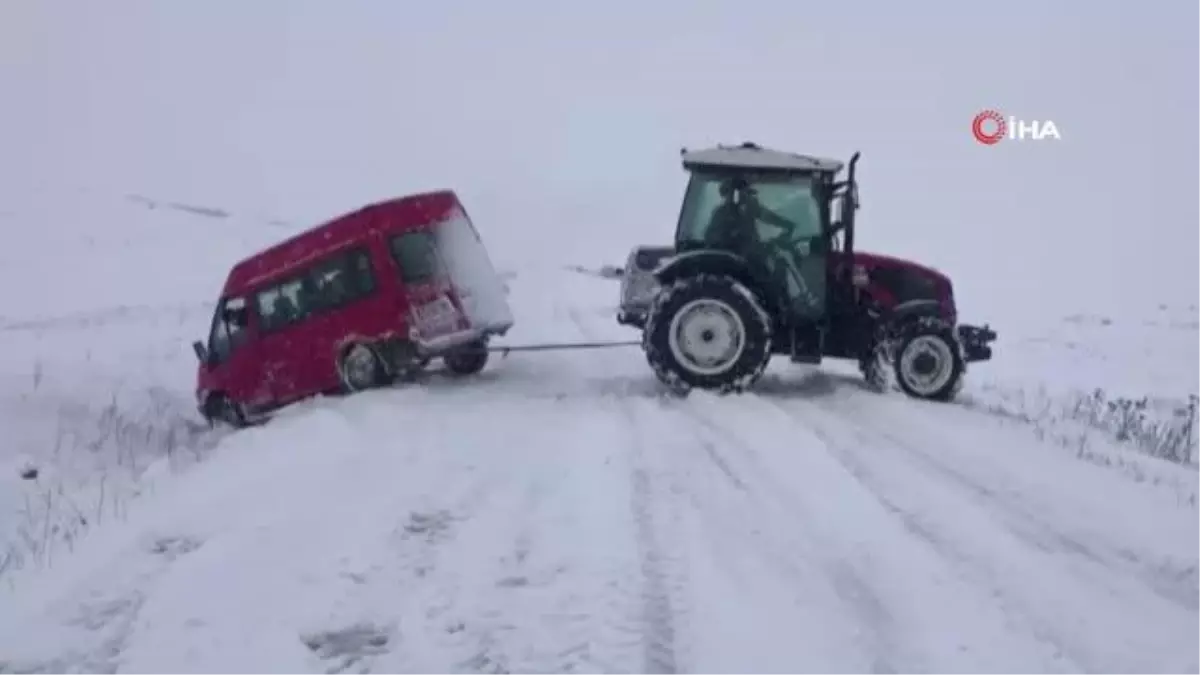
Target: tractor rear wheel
x: 928, y: 361
x: 707, y: 332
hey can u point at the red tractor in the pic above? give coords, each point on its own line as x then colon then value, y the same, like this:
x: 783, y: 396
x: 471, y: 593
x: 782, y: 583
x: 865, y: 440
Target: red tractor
x: 764, y: 263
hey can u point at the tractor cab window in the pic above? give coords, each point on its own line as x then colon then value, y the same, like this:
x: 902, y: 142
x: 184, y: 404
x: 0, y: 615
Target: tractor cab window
x: 731, y: 211
x: 228, y: 329
x: 788, y: 209
x: 772, y: 220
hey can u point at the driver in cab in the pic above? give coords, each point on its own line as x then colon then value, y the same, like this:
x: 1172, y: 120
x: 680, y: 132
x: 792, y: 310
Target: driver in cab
x: 734, y: 228
x: 733, y: 225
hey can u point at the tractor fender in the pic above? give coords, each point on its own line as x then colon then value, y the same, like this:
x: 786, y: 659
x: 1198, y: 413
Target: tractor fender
x: 913, y: 309
x: 722, y: 263
x: 894, y: 322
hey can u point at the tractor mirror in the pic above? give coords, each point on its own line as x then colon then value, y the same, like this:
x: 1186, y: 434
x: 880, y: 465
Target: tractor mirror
x: 201, y: 351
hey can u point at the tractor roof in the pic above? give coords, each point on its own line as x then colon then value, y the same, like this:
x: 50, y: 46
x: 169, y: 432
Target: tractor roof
x: 751, y: 156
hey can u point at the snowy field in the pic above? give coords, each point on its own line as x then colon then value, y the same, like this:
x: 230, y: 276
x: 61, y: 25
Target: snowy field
x: 560, y: 512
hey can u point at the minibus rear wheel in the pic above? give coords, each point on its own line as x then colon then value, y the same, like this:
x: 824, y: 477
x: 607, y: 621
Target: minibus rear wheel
x: 360, y: 368
x: 467, y: 360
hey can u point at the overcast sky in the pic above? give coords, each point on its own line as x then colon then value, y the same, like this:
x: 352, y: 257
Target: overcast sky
x: 560, y: 123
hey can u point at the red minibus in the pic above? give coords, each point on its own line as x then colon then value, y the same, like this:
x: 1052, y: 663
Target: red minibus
x: 355, y: 303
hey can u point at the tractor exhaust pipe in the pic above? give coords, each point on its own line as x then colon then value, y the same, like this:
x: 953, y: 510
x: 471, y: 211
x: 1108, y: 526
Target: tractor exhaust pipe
x: 849, y: 206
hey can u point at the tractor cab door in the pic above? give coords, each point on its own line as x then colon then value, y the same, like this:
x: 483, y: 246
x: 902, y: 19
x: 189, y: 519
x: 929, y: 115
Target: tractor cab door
x: 791, y: 244
x: 773, y: 221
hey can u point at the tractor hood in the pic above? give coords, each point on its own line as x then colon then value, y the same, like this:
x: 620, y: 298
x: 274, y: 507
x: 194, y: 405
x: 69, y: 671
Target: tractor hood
x: 876, y: 260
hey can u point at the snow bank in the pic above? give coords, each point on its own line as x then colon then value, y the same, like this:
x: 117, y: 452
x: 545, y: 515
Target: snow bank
x: 96, y: 372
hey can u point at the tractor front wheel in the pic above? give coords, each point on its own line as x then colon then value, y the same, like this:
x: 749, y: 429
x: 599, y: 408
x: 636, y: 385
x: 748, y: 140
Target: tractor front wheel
x: 707, y: 332
x: 928, y: 361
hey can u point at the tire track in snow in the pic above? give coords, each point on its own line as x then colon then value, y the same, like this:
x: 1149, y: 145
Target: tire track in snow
x: 944, y: 546
x: 1038, y: 532
x: 433, y: 575
x: 1094, y: 558
x: 660, y: 578
x: 766, y: 505
x: 933, y: 616
x: 311, y: 559
x: 873, y: 625
x: 524, y: 584
x: 109, y: 613
x: 663, y: 576
x: 411, y: 599
x: 997, y: 546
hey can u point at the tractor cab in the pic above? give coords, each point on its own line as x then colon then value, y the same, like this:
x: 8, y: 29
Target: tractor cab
x: 765, y: 218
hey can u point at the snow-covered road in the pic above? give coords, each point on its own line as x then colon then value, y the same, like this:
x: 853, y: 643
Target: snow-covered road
x: 559, y: 513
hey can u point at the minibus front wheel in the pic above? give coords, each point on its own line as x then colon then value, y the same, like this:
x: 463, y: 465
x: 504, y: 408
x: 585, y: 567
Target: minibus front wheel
x: 218, y: 408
